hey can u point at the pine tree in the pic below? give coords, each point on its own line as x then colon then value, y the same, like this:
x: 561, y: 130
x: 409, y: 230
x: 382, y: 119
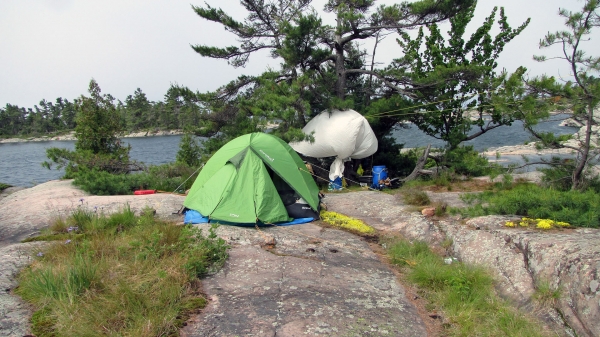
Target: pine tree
x: 453, y: 80
x: 582, y: 95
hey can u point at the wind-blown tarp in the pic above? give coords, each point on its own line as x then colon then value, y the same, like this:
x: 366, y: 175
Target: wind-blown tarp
x: 342, y: 134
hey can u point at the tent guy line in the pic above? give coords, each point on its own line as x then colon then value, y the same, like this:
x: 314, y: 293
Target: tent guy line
x: 387, y: 113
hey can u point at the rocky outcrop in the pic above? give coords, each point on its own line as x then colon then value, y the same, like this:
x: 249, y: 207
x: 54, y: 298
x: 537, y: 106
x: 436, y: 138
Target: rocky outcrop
x: 306, y: 281
x: 25, y: 212
x: 10, y: 190
x: 568, y: 260
x: 300, y: 280
x: 521, y: 259
x: 67, y: 136
x: 153, y: 133
x: 571, y: 122
x: 578, y: 138
x: 14, y: 313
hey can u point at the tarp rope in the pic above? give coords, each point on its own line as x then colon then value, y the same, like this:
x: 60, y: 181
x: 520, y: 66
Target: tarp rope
x: 328, y: 181
x: 188, y: 178
x: 388, y: 113
x: 178, y: 187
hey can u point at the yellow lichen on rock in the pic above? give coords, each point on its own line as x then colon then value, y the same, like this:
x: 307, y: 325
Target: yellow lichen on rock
x: 346, y: 222
x: 538, y: 223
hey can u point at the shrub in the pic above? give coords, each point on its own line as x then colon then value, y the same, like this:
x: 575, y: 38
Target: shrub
x: 465, y: 160
x: 4, y: 186
x: 559, y: 176
x: 189, y: 151
x: 580, y: 209
x: 75, y: 161
x: 168, y: 177
x: 98, y: 146
x: 415, y: 197
x: 104, y: 183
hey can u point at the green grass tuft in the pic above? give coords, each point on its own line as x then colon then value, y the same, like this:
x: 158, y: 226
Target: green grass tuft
x: 121, y: 275
x: 415, y: 197
x: 546, y: 295
x: 464, y: 294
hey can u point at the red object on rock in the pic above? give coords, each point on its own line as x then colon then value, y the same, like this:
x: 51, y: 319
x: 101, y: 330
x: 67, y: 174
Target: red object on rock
x: 142, y: 192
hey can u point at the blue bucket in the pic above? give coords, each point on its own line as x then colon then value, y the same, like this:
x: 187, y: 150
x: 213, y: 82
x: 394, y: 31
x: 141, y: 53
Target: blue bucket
x: 379, y: 173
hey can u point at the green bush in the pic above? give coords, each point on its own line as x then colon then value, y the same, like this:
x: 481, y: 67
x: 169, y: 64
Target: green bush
x: 166, y: 177
x: 189, y: 151
x: 465, y: 160
x: 559, y: 176
x: 103, y: 183
x: 4, y: 186
x: 75, y: 161
x: 581, y: 209
x: 415, y: 197
x: 98, y: 145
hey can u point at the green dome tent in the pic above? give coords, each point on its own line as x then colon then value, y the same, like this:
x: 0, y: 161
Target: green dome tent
x: 250, y: 180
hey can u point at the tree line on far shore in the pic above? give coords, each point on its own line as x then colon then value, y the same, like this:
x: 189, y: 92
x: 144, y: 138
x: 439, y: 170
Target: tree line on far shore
x: 136, y: 113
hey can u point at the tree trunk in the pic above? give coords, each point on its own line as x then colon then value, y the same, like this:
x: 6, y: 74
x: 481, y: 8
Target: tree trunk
x: 420, y: 163
x: 577, y: 178
x: 340, y: 69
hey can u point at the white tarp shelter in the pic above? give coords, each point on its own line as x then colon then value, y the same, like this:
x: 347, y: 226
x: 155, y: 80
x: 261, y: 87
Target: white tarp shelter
x: 341, y: 134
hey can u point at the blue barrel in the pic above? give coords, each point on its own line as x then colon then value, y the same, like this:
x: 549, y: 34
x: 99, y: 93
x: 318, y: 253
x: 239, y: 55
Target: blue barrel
x: 335, y: 185
x: 379, y: 173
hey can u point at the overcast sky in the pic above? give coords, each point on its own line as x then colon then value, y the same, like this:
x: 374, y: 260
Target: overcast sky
x: 52, y: 48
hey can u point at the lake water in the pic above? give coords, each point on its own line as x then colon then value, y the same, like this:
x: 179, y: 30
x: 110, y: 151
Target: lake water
x: 501, y: 136
x: 20, y: 163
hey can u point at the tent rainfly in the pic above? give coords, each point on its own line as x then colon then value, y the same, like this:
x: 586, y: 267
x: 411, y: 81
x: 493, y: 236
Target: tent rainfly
x: 255, y: 178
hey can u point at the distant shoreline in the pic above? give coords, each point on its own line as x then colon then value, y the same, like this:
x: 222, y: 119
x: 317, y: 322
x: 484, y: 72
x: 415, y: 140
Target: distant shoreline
x: 71, y: 136
x: 515, y: 150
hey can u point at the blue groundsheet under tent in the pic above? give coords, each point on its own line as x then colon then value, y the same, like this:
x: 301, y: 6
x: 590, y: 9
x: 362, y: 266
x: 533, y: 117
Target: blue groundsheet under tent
x: 194, y: 217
